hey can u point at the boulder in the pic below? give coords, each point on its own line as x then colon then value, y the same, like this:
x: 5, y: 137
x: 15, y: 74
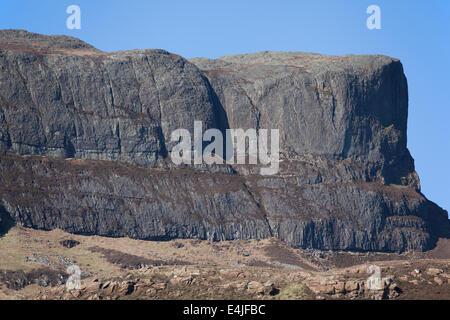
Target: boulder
x: 434, y: 271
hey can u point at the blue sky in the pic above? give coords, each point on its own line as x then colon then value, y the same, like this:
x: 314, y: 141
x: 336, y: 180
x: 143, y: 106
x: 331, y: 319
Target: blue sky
x: 416, y: 32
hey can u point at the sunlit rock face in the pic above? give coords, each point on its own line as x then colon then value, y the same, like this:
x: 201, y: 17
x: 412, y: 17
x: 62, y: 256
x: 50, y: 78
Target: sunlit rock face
x: 85, y: 138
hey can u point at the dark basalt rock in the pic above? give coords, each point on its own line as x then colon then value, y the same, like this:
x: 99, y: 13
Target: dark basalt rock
x: 77, y: 102
x: 69, y: 243
x: 348, y: 107
x: 97, y: 126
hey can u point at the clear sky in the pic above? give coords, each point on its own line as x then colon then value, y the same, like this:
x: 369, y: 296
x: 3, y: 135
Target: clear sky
x: 416, y: 32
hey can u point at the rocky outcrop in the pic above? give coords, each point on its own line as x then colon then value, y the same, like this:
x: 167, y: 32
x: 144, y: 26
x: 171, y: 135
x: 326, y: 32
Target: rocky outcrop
x: 98, y: 128
x: 60, y: 97
x: 349, y: 107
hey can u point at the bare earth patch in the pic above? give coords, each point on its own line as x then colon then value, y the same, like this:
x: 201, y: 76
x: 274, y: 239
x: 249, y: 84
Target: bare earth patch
x: 33, y: 265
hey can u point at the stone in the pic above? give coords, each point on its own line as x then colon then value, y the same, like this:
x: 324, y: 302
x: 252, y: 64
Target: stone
x: 76, y: 293
x: 125, y: 288
x: 322, y: 287
x: 394, y: 291
x: 387, y: 281
x: 416, y: 273
x: 241, y: 286
x: 255, y: 287
x: 150, y: 291
x: 434, y: 271
x: 93, y: 287
x: 340, y: 287
x: 351, y: 286
x: 438, y: 280
x: 69, y: 243
x: 111, y: 287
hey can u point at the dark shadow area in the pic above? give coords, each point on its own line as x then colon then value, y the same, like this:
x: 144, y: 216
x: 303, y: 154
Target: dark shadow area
x: 69, y: 243
x: 44, y: 277
x: 131, y: 261
x: 437, y: 217
x: 163, y: 150
x: 220, y: 120
x: 69, y: 148
x: 6, y: 222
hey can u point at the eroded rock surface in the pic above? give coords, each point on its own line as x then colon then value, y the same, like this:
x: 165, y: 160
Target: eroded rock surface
x: 346, y: 179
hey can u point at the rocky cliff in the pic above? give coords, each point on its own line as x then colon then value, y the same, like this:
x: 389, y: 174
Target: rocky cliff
x: 85, y: 142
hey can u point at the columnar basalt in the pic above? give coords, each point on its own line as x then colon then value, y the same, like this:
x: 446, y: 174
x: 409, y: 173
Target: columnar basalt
x: 85, y: 143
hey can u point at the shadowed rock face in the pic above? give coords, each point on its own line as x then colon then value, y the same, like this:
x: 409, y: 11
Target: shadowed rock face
x: 346, y: 179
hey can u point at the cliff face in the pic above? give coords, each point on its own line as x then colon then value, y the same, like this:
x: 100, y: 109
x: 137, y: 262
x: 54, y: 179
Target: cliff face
x: 346, y: 179
x: 350, y: 107
x: 62, y: 98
